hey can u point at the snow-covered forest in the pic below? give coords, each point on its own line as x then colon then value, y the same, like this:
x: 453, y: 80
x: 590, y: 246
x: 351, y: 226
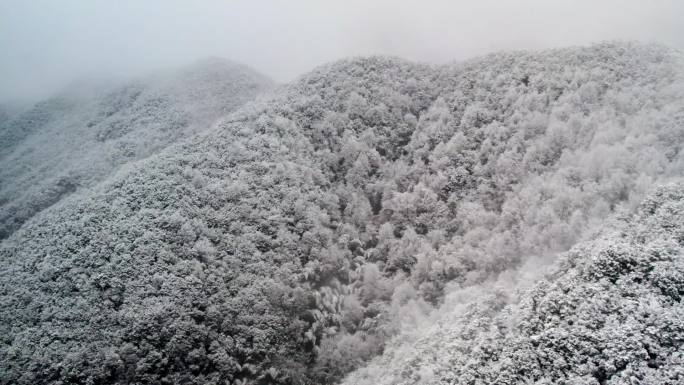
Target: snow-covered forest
x: 609, y: 312
x: 82, y: 135
x: 514, y: 219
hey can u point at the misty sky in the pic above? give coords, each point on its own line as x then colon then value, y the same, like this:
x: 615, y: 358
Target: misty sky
x: 46, y: 44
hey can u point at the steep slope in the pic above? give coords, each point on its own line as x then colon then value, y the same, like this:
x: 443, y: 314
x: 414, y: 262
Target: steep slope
x: 288, y: 243
x: 8, y: 111
x: 609, y: 312
x: 79, y: 137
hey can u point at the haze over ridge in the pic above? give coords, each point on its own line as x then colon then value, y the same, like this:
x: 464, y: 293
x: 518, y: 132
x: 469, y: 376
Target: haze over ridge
x: 46, y: 44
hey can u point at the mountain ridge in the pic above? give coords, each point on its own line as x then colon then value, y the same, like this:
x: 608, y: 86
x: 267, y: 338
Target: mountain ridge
x: 78, y: 137
x: 285, y: 243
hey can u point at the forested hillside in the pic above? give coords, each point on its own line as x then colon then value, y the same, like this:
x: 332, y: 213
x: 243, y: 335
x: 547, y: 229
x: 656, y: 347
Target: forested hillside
x: 9, y: 110
x: 609, y: 312
x: 82, y: 135
x: 289, y: 243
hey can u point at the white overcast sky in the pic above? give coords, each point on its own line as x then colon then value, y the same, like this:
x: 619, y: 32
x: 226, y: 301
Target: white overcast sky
x: 47, y: 44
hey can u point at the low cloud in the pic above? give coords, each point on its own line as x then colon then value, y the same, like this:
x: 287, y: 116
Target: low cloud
x: 47, y: 44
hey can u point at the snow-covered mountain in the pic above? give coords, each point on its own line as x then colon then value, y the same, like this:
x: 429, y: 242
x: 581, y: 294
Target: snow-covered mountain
x: 294, y: 240
x: 88, y: 131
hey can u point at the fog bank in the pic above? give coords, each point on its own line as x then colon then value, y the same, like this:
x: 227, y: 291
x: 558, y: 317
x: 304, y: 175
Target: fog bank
x: 47, y: 44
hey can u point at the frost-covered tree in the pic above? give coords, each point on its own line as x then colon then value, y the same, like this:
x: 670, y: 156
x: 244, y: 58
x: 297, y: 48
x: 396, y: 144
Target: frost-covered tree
x: 608, y: 312
x: 87, y: 132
